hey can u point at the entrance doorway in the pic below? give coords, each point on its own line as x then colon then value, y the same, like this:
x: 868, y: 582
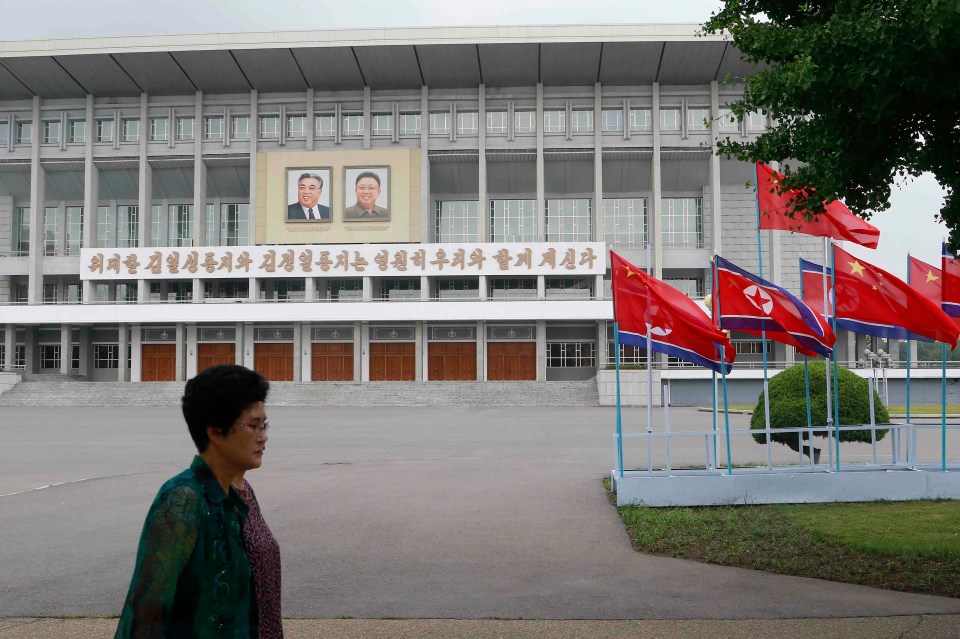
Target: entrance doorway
x: 392, y: 361
x: 452, y: 361
x: 215, y: 354
x: 332, y: 362
x: 510, y: 361
x: 158, y: 362
x: 274, y: 361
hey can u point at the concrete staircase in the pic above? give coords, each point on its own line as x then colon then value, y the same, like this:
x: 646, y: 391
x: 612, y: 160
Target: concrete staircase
x: 66, y: 392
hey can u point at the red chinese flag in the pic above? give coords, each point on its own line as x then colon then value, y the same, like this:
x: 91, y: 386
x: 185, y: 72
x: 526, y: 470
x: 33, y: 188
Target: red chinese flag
x: 836, y: 222
x: 883, y: 303
x: 678, y: 327
x: 950, y: 296
x: 928, y: 281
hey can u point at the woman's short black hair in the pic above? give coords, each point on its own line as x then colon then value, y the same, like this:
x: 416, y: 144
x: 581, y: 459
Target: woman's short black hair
x: 217, y: 397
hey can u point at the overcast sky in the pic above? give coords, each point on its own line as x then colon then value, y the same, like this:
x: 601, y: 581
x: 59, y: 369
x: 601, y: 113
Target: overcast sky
x: 908, y: 226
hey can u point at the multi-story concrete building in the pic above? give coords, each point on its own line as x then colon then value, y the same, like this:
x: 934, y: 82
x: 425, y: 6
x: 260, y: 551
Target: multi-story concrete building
x: 147, y: 184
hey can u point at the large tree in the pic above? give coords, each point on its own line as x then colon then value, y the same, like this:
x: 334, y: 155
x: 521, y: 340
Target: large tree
x: 864, y: 93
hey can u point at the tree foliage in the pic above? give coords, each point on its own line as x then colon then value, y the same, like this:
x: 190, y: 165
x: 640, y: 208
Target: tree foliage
x: 788, y: 405
x: 865, y: 93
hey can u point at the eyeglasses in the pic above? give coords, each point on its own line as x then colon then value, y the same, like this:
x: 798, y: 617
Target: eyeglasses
x: 256, y: 428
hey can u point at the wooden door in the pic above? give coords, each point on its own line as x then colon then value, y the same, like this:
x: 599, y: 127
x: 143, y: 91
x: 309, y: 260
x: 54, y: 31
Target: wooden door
x: 274, y: 361
x: 511, y: 361
x: 158, y: 362
x: 332, y: 362
x: 215, y: 354
x: 452, y: 361
x: 392, y: 362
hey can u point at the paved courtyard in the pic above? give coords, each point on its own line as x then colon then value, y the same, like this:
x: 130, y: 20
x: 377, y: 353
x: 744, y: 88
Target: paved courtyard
x: 435, y: 513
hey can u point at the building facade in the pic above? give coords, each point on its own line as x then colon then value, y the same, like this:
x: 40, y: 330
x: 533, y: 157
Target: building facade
x: 151, y: 222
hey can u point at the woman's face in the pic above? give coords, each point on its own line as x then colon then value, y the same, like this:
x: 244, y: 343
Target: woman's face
x: 244, y: 444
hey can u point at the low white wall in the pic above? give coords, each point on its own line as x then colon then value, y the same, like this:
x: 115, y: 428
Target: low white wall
x: 633, y: 388
x: 792, y: 488
x: 8, y: 381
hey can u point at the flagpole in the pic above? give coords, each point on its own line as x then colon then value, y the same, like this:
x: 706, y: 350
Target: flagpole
x: 806, y: 385
x: 832, y: 357
x: 616, y: 359
x: 943, y: 408
x: 714, y: 420
x: 836, y: 374
x: 763, y: 331
x: 649, y: 400
x: 896, y: 440
x: 715, y: 310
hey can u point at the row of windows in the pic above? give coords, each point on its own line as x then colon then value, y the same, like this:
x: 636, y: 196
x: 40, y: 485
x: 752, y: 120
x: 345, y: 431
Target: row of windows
x: 381, y: 124
x: 624, y: 224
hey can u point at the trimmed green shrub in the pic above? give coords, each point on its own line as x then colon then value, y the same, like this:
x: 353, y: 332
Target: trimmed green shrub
x: 788, y: 405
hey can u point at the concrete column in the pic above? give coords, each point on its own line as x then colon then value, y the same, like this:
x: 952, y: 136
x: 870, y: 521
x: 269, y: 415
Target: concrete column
x: 715, y: 208
x: 252, y: 289
x: 144, y: 198
x: 37, y: 202
x: 252, y: 209
x: 422, y: 356
x: 248, y: 339
x: 541, y: 191
x: 91, y: 200
x: 913, y: 353
x: 192, y: 349
x: 198, y: 291
x: 66, y: 350
x: 601, y: 344
x: 359, y: 350
x: 181, y: 354
x: 367, y: 289
x: 9, y: 346
x: 85, y: 355
x: 483, y: 208
x: 597, y: 209
x: 199, y: 179
x: 425, y: 288
x: 656, y: 209
x: 481, y: 338
x: 425, y: 216
x: 311, y: 117
x: 367, y: 122
x: 123, y: 344
x: 31, y: 350
x: 297, y: 355
x: 364, y: 358
x: 541, y: 287
x: 541, y: 350
x: 238, y: 343
x: 305, y: 345
x: 136, y: 353
x: 482, y: 288
x: 310, y: 289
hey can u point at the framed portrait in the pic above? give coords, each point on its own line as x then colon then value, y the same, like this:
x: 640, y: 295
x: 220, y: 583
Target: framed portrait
x: 308, y: 195
x: 366, y: 194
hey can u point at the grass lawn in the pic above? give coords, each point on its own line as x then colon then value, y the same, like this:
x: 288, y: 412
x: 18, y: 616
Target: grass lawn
x: 910, y: 546
x: 923, y: 409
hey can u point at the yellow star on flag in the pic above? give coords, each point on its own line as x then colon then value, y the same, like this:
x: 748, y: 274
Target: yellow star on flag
x: 630, y: 271
x: 856, y: 267
x: 931, y: 277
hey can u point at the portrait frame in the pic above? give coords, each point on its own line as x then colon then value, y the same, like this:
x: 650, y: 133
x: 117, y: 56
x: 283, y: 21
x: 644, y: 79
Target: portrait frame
x: 292, y: 198
x: 351, y: 212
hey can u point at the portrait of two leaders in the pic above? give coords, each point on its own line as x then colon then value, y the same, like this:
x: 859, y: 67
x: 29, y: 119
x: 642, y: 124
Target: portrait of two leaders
x: 310, y: 188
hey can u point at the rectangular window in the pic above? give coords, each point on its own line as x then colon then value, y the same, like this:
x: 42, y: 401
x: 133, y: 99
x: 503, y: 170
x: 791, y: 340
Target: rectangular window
x: 581, y: 121
x: 611, y: 120
x: 325, y: 126
x: 74, y: 230
x: 512, y: 288
x: 52, y: 218
x: 4, y: 133
x: 49, y: 356
x: 640, y: 121
x: 51, y: 132
x: 24, y: 132
x: 381, y: 124
x: 569, y: 288
x: 128, y: 226
x: 625, y: 223
x: 51, y: 293
x: 683, y: 222
x: 353, y: 124
x: 670, y: 119
x: 296, y: 126
x: 497, y: 122
x: 105, y: 355
x: 21, y: 231
x: 409, y: 124
x: 524, y: 121
x: 468, y: 123
x: 399, y: 288
x: 458, y: 221
x: 568, y: 220
x: 77, y: 131
x: 571, y: 355
x: 240, y: 127
x: 698, y: 119
x: 513, y: 220
x: 691, y: 287
x: 156, y: 226
x: 104, y: 129
x: 554, y: 121
x: 440, y: 123
x: 629, y: 354
x: 106, y: 225
x: 269, y: 127
x: 756, y: 121
x: 233, y: 224
x: 728, y: 121
x: 185, y: 128
x: 181, y: 225
x: 159, y: 129
x: 131, y: 130
x: 345, y: 290
x: 457, y: 288
x: 213, y: 127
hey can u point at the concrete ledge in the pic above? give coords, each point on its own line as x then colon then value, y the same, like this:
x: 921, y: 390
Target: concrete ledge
x: 785, y: 488
x: 8, y: 381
